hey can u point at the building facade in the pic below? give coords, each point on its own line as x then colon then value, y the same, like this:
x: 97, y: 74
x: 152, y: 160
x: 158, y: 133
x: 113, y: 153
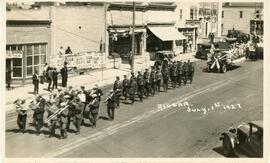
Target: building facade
x: 246, y: 17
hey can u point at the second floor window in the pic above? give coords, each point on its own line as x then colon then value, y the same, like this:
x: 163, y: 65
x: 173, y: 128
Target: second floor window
x: 193, y: 14
x: 181, y: 14
x: 241, y: 14
x: 222, y: 14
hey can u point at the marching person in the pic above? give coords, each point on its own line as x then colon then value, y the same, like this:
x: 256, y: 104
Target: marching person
x: 64, y: 74
x: 79, y: 107
x: 55, y: 118
x: 50, y: 77
x: 191, y: 70
x: 117, y: 87
x: 54, y: 78
x: 165, y: 77
x: 185, y: 70
x: 64, y: 117
x: 132, y: 90
x: 180, y: 73
x: 35, y: 81
x: 147, y: 84
x: 21, y: 109
x: 174, y: 74
x: 71, y: 110
x: 140, y: 83
x: 111, y: 103
x: 125, y: 85
x: 94, y: 108
x: 153, y: 81
x: 38, y: 115
x: 98, y: 92
x: 132, y: 76
x: 159, y: 79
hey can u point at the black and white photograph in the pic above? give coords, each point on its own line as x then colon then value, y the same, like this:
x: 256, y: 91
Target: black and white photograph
x: 134, y: 79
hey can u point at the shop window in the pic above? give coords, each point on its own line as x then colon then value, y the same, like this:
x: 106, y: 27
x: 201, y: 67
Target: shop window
x: 29, y: 60
x: 178, y: 42
x: 181, y: 14
x: 29, y: 50
x: 36, y: 50
x: 17, y: 67
x: 222, y: 14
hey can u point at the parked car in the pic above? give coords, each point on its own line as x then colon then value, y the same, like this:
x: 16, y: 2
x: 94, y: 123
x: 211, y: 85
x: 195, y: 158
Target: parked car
x: 161, y: 56
x: 246, y: 139
x: 203, y: 48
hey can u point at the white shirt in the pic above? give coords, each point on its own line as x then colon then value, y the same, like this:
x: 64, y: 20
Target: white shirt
x: 82, y: 97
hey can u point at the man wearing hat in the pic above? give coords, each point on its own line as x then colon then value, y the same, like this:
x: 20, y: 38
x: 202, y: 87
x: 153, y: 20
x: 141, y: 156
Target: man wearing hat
x: 64, y: 74
x: 132, y: 76
x: 111, y: 104
x: 79, y: 108
x: 53, y: 122
x: 153, y: 81
x: 21, y: 109
x: 117, y: 87
x: 132, y: 90
x: 147, y: 84
x: 94, y: 107
x: 159, y: 78
x: 165, y: 77
x: 125, y: 85
x: 64, y: 117
x: 38, y: 115
x: 140, y: 84
x: 98, y: 92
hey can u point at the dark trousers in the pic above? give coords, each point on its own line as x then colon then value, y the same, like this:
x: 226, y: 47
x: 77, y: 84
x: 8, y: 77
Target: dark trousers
x: 179, y: 79
x: 38, y: 124
x: 140, y: 91
x: 53, y: 127
x: 35, y: 88
x: 174, y: 79
x: 64, y: 81
x: 132, y: 97
x: 153, y: 87
x: 49, y: 84
x: 125, y: 92
x: 185, y: 77
x: 54, y: 84
x: 110, y: 111
x: 158, y: 85
x: 69, y: 119
x: 190, y: 76
x: 21, y: 121
x: 63, y: 129
x: 165, y: 84
x: 77, y: 123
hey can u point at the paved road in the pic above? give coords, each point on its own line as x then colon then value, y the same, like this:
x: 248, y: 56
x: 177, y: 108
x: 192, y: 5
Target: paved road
x: 147, y: 129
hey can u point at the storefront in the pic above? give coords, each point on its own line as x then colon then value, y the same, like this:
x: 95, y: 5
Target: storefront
x: 120, y: 42
x: 256, y: 27
x: 191, y: 33
x: 26, y: 48
x: 164, y: 38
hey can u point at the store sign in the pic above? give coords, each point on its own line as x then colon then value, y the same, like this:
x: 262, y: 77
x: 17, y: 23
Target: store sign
x: 88, y: 60
x: 14, y: 54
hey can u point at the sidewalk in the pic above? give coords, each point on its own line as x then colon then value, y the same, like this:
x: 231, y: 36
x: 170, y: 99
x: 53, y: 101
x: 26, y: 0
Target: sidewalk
x: 102, y: 78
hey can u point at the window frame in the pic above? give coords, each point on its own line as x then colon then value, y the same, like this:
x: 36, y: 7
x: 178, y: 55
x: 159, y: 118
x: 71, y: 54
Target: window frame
x: 240, y: 14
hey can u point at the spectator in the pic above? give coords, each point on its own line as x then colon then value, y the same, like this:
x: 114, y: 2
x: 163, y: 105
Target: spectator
x: 8, y: 77
x: 64, y: 74
x: 61, y: 51
x: 35, y: 82
x: 68, y: 50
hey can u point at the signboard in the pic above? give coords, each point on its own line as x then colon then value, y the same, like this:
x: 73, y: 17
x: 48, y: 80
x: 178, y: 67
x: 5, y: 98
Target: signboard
x: 87, y: 60
x: 14, y: 54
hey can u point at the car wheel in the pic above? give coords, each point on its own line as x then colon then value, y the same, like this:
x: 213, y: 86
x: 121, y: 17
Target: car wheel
x: 224, y: 68
x: 227, y: 146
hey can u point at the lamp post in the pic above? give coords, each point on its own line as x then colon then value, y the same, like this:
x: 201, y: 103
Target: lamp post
x: 133, y: 37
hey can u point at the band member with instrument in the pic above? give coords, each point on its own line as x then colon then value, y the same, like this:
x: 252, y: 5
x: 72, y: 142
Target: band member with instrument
x: 125, y: 85
x: 111, y: 104
x: 21, y: 109
x: 54, y: 117
x: 79, y: 107
x: 132, y: 90
x: 94, y: 107
x: 64, y: 117
x: 38, y: 115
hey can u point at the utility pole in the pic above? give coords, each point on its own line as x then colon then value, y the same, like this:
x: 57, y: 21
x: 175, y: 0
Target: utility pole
x: 133, y: 37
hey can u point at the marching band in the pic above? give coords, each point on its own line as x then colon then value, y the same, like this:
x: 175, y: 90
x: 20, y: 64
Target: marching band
x: 79, y: 105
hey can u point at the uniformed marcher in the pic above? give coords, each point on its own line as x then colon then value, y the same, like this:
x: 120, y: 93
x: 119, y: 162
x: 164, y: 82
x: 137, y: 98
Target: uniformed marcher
x: 180, y: 73
x: 153, y: 81
x: 117, y: 87
x: 165, y: 76
x: 132, y: 90
x: 79, y: 108
x: 64, y: 117
x: 125, y: 85
x: 111, y: 104
x: 21, y: 109
x: 159, y: 79
x: 147, y: 84
x: 98, y: 92
x: 55, y: 118
x: 38, y: 115
x: 185, y: 69
x: 140, y: 84
x: 191, y: 70
x: 174, y: 74
x: 71, y: 110
x: 94, y: 108
x: 132, y: 76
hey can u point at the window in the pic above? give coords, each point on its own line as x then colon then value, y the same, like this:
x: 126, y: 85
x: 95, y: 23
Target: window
x: 17, y: 67
x: 222, y: 14
x: 181, y: 14
x: 191, y: 14
x: 257, y: 14
x: 241, y: 14
x: 36, y: 57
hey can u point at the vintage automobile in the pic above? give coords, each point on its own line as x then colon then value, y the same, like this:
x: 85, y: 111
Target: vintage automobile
x: 255, y: 49
x: 245, y: 140
x: 219, y: 62
x: 202, y: 50
x: 162, y: 56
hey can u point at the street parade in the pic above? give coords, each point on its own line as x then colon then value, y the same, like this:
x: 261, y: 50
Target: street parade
x: 77, y: 106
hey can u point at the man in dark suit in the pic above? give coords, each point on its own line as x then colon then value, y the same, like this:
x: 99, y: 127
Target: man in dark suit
x: 64, y: 73
x: 54, y: 78
x: 35, y: 82
x: 111, y: 104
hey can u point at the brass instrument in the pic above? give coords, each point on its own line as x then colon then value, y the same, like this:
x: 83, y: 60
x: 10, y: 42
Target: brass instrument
x: 56, y: 113
x: 109, y: 97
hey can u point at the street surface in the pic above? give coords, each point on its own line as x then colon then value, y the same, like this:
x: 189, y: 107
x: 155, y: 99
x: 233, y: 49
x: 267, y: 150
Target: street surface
x: 153, y: 129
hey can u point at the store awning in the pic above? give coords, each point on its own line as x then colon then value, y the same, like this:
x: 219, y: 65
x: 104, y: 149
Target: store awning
x: 167, y: 33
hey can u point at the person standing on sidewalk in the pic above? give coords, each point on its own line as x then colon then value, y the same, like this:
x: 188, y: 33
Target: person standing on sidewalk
x: 64, y: 74
x: 35, y: 82
x: 21, y: 109
x: 54, y: 78
x: 50, y: 78
x: 8, y: 78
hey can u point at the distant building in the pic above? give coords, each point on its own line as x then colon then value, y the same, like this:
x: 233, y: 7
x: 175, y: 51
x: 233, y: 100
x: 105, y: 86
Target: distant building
x: 246, y: 17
